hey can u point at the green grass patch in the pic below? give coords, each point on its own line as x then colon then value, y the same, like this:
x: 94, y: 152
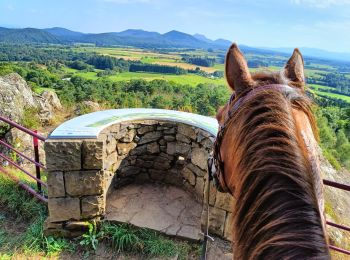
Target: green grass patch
x: 189, y: 79
x: 126, y: 238
x: 333, y: 95
x: 18, y: 201
x: 320, y: 87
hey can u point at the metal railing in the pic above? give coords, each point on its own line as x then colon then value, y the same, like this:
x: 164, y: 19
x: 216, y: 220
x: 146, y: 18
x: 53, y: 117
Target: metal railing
x: 36, y: 161
x: 345, y: 187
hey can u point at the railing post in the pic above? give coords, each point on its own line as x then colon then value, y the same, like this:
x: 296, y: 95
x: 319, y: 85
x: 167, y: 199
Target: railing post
x: 37, y: 159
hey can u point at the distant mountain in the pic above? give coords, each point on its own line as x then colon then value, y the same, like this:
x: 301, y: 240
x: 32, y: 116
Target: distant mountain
x: 223, y: 42
x: 145, y: 39
x: 138, y: 33
x: 313, y: 52
x: 202, y: 37
x: 184, y: 40
x: 58, y: 31
x: 27, y: 35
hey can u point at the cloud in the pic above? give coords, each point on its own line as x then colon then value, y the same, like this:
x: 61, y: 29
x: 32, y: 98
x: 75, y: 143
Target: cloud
x: 321, y: 3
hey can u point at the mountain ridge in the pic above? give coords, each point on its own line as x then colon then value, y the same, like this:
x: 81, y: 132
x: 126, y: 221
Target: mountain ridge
x: 144, y: 39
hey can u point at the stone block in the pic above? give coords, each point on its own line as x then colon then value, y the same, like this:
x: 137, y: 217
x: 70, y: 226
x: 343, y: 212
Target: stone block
x: 129, y: 136
x: 199, y: 188
x: 55, y: 184
x: 93, y: 154
x: 189, y: 232
x: 63, y: 155
x: 92, y: 206
x: 169, y: 131
x: 169, y: 138
x: 165, y: 165
x: 153, y: 148
x: 82, y: 183
x: 77, y: 225
x: 129, y: 171
x: 212, y: 192
x: 121, y: 133
x: 183, y: 138
x: 224, y: 201
x: 111, y: 161
x: 228, y: 232
x: 62, y: 209
x: 150, y: 137
x: 145, y: 164
x: 51, y: 225
x: 178, y: 148
x: 114, y: 128
x: 111, y: 144
x: 197, y: 170
x: 189, y: 176
x: 207, y: 143
x: 187, y: 130
x: 145, y: 129
x: 217, y: 219
x: 125, y: 148
x: 199, y: 158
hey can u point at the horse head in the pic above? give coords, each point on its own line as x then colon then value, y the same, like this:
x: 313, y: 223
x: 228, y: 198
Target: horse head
x: 266, y: 156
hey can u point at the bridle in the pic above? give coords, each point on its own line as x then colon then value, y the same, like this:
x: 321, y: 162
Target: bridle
x: 215, y: 162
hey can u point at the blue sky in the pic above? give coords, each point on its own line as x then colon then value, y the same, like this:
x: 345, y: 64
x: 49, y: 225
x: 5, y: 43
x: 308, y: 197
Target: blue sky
x: 323, y: 24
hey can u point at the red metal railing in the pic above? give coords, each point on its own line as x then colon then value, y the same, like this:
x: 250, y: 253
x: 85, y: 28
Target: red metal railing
x: 346, y: 188
x: 36, y: 161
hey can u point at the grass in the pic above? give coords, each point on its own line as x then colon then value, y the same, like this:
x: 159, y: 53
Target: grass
x: 126, y: 238
x: 19, y: 207
x: 189, y: 79
x: 333, y: 95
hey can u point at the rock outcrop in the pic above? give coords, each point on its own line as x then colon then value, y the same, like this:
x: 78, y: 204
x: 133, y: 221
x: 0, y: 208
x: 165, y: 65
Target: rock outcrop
x: 47, y: 104
x: 15, y: 96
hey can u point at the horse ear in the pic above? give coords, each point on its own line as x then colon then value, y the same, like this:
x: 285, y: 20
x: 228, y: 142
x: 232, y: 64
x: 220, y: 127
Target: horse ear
x: 237, y: 73
x: 294, y: 69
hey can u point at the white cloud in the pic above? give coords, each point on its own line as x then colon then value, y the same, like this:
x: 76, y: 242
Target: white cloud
x: 321, y: 3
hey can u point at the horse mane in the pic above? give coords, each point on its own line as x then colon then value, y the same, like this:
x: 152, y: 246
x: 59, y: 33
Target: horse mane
x: 276, y: 201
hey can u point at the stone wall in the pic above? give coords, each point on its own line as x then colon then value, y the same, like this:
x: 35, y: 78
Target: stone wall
x: 82, y: 171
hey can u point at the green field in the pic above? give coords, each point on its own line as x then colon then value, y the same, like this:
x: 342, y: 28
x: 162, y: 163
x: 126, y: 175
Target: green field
x: 334, y: 95
x: 174, y: 58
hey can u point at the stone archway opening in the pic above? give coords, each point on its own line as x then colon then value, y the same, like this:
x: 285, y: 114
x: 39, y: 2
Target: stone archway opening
x: 160, y: 176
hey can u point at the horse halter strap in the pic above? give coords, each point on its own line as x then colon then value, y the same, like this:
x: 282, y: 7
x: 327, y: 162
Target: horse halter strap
x: 215, y: 162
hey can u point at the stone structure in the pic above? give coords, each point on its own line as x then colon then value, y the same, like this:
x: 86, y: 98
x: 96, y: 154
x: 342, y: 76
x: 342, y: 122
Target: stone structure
x: 82, y: 171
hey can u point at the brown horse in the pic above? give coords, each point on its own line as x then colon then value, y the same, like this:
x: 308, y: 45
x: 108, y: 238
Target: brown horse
x: 268, y: 161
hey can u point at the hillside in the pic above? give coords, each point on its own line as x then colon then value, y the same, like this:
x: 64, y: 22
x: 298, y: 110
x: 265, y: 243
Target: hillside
x: 27, y: 35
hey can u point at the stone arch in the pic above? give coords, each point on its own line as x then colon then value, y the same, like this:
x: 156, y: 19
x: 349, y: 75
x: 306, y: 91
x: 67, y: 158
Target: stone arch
x: 82, y: 171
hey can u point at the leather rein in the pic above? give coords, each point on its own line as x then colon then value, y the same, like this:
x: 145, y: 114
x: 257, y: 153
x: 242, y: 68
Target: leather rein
x: 215, y: 162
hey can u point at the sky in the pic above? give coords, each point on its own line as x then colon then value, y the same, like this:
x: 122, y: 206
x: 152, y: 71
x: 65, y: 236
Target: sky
x: 323, y: 24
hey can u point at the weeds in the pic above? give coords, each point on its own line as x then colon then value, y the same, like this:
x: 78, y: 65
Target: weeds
x: 90, y: 239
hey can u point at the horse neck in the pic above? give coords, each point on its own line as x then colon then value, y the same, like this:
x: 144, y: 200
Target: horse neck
x: 277, y: 213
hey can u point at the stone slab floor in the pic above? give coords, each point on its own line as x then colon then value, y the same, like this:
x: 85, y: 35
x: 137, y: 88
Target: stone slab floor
x: 160, y: 207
